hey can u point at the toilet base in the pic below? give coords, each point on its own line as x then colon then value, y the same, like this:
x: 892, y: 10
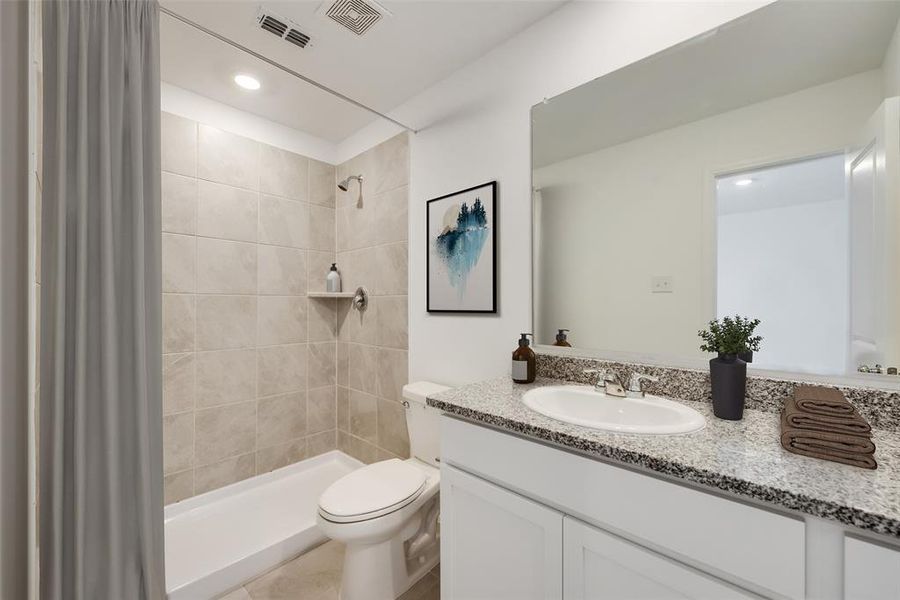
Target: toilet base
x: 381, y: 571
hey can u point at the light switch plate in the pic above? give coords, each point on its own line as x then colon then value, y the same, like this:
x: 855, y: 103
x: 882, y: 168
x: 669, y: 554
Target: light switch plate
x: 662, y: 284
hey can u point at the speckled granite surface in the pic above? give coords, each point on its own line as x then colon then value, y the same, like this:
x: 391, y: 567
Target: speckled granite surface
x: 880, y: 407
x: 742, y: 457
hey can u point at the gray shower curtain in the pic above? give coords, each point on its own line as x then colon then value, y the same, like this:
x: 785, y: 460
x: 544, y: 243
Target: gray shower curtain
x: 100, y: 461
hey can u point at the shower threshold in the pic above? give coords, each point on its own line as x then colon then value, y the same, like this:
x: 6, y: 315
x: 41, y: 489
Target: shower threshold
x: 221, y: 539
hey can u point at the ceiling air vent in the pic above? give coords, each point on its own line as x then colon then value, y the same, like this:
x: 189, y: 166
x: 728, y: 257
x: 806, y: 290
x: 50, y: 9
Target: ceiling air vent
x: 283, y: 28
x: 359, y: 16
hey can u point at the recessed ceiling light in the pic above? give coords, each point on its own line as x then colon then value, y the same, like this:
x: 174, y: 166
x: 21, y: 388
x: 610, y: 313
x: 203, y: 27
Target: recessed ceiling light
x: 247, y: 82
x: 743, y: 182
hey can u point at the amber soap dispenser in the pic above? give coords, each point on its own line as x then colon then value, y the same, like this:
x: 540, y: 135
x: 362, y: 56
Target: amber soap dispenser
x: 523, y: 361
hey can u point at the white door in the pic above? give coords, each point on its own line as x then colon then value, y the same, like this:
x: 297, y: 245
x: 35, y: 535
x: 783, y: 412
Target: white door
x: 601, y: 566
x: 871, y: 571
x: 872, y: 176
x: 495, y: 544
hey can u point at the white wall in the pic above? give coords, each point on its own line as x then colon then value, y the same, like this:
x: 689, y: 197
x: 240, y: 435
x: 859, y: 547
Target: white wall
x: 644, y: 208
x: 195, y: 107
x: 475, y: 128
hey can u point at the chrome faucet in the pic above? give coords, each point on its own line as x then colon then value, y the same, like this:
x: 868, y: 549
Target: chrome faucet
x: 634, y: 385
x: 607, y: 382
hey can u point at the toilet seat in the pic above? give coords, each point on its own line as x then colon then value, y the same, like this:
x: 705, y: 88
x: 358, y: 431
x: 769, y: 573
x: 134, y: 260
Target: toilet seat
x: 372, y: 491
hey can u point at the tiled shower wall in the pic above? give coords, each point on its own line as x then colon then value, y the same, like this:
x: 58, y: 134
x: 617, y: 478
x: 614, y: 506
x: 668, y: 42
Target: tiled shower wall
x: 371, y: 246
x: 249, y: 362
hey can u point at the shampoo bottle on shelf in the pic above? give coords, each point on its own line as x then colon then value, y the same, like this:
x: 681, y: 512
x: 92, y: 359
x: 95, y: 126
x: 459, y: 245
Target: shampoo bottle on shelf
x: 562, y: 339
x: 523, y: 362
x: 333, y: 280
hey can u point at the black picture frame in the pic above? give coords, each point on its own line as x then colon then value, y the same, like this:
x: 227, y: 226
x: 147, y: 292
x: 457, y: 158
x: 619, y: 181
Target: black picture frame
x: 431, y: 205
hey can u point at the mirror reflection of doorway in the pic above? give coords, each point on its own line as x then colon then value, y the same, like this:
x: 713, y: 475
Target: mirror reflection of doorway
x: 783, y: 253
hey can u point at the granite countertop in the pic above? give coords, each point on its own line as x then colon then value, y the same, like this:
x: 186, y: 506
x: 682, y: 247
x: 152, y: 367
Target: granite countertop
x: 743, y: 458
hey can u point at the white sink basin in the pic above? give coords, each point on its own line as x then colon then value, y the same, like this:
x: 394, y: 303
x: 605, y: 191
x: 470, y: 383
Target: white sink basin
x: 582, y: 405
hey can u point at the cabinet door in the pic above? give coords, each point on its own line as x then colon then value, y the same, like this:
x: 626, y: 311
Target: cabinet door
x: 495, y: 544
x: 871, y: 571
x: 601, y: 566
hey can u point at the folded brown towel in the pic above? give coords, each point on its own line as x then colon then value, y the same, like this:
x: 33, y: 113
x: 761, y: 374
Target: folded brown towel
x: 853, y: 424
x: 853, y: 450
x: 823, y: 401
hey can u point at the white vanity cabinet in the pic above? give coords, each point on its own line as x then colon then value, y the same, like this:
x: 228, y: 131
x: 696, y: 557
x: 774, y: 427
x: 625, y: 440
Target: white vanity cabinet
x: 497, y: 544
x: 871, y: 571
x: 600, y: 566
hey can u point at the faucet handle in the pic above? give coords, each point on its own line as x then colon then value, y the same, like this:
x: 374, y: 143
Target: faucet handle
x: 634, y: 385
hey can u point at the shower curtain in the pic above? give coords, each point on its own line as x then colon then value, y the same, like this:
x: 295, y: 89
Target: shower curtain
x: 100, y: 461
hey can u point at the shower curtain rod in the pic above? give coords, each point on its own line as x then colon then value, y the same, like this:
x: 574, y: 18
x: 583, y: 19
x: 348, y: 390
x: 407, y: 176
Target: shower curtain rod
x: 269, y: 61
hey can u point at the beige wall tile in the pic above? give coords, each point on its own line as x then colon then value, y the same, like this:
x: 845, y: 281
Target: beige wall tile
x: 391, y: 164
x: 281, y: 369
x: 343, y: 408
x: 224, y: 432
x: 178, y: 316
x: 179, y: 382
x: 179, y: 263
x: 282, y: 455
x: 179, y: 204
x: 179, y: 145
x: 320, y: 409
x: 343, y: 364
x: 282, y: 320
x: 283, y: 173
x: 391, y: 216
x: 225, y: 377
x: 392, y: 321
x: 319, y: 265
x: 225, y: 322
x: 392, y: 434
x: 359, y: 449
x: 225, y: 267
x: 363, y: 416
x: 357, y: 268
x: 321, y: 228
x: 392, y: 368
x: 362, y: 368
x: 321, y: 367
x: 321, y: 443
x: 224, y: 472
x: 391, y: 267
x: 178, y: 442
x: 283, y: 222
x: 282, y: 271
x: 228, y: 158
x: 281, y: 419
x: 355, y: 226
x: 322, y: 320
x: 226, y: 212
x: 178, y: 486
x: 322, y: 184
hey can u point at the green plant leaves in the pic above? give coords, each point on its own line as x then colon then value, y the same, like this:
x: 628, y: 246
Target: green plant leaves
x: 730, y: 335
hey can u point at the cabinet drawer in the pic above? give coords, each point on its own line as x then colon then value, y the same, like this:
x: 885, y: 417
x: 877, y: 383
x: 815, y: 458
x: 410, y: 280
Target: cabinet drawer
x: 752, y: 547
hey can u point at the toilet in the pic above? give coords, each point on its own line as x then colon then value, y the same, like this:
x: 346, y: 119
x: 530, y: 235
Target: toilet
x: 386, y: 513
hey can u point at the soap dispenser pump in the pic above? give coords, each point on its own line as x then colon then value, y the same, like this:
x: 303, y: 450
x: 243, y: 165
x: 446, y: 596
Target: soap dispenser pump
x: 333, y: 280
x: 561, y: 339
x: 523, y: 361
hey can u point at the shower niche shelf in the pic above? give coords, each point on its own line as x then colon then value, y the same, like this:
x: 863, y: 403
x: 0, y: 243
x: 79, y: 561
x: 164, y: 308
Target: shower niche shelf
x: 360, y: 297
x: 330, y: 294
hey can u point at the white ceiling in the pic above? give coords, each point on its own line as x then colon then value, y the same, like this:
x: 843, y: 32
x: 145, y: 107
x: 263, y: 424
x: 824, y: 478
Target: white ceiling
x: 805, y: 182
x: 423, y: 42
x: 779, y: 49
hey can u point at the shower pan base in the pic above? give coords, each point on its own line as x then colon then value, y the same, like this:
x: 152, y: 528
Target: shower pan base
x: 221, y: 539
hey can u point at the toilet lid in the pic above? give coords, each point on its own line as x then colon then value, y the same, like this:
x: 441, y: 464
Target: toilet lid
x: 381, y: 488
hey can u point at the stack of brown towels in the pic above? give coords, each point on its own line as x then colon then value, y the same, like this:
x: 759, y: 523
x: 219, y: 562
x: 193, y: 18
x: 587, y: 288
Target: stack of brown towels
x: 819, y: 422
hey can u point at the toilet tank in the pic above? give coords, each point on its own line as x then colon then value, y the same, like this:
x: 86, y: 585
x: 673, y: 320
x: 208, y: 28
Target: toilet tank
x: 422, y: 421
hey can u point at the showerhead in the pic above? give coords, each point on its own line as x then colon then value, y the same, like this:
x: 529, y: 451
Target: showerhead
x: 345, y: 184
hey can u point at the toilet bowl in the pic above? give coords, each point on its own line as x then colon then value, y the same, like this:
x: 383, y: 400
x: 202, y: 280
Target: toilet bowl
x: 386, y: 513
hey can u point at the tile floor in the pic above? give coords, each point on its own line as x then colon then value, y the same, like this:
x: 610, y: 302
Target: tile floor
x: 316, y: 575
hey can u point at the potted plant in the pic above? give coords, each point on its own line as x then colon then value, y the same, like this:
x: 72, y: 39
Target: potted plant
x: 730, y: 338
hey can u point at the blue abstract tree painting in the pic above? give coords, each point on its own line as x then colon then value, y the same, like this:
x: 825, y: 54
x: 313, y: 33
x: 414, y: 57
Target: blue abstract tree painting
x: 462, y: 251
